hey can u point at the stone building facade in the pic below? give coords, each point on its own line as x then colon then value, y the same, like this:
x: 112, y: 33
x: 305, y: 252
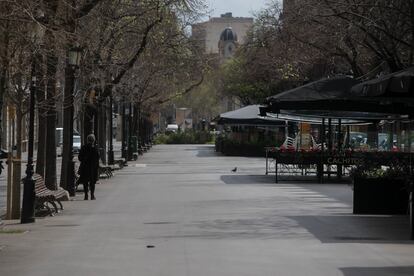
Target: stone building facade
x: 208, y: 33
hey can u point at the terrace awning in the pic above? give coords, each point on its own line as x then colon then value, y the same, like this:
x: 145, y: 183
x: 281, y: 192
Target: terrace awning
x: 324, y: 89
x: 347, y: 96
x: 248, y: 115
x: 398, y: 85
x: 346, y: 118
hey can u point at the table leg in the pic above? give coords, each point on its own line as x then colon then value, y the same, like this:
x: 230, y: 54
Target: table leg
x: 276, y: 180
x: 411, y: 214
x: 319, y: 168
x: 267, y: 164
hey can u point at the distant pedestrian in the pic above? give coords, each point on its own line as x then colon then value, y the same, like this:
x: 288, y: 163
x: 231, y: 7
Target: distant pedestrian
x: 88, y: 169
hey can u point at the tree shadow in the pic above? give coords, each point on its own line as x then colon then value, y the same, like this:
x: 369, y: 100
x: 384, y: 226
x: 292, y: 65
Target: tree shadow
x: 378, y: 271
x: 311, y: 178
x: 207, y: 152
x: 247, y: 179
x: 357, y: 229
x: 204, y: 150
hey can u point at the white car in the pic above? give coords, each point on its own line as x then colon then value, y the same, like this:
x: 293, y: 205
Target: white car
x: 171, y: 128
x: 76, y: 145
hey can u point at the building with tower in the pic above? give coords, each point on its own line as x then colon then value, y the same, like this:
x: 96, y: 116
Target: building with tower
x: 210, y: 33
x: 220, y: 36
x: 227, y: 44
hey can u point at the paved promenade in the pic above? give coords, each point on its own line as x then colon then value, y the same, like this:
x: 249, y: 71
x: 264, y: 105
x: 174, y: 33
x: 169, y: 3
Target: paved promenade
x: 180, y: 211
x: 3, y: 175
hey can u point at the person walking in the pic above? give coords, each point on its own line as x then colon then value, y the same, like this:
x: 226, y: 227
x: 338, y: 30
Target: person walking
x: 88, y: 169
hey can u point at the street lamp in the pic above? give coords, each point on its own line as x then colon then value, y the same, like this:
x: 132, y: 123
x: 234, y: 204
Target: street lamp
x: 74, y: 56
x: 28, y: 205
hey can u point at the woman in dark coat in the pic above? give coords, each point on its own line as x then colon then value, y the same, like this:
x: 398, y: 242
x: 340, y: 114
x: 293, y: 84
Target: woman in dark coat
x: 88, y: 170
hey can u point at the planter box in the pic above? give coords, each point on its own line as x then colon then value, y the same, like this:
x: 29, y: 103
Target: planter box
x: 243, y: 150
x: 231, y: 149
x: 380, y: 196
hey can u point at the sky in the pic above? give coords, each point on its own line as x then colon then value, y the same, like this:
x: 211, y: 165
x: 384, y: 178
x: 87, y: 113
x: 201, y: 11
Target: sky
x: 239, y: 8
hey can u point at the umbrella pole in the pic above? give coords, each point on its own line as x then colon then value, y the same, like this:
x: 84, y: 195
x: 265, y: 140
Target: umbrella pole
x: 390, y: 135
x: 411, y: 186
x: 348, y: 137
x: 320, y: 166
x: 339, y: 150
x: 330, y: 144
x: 330, y: 135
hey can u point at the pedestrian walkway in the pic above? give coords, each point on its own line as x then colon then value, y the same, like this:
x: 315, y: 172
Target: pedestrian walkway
x: 3, y: 175
x: 180, y: 210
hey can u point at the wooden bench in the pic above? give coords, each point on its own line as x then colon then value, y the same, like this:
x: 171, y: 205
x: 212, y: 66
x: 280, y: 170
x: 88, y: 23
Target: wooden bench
x: 120, y: 162
x: 104, y: 171
x: 44, y: 195
x: 141, y: 149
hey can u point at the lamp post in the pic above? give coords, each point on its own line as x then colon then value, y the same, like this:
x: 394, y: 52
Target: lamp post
x: 28, y: 205
x: 73, y: 61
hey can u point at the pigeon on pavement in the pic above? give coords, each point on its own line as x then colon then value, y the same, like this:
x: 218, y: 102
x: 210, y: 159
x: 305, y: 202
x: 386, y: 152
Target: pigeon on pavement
x: 234, y: 170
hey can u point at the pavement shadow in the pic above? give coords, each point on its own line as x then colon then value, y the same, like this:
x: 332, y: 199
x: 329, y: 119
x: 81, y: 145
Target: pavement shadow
x: 239, y: 228
x: 204, y: 151
x: 357, y: 229
x: 247, y: 179
x: 378, y: 271
x: 311, y: 179
x: 207, y: 152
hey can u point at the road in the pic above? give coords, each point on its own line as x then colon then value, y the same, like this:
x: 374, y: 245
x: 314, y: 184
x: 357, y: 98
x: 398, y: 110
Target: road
x: 180, y: 210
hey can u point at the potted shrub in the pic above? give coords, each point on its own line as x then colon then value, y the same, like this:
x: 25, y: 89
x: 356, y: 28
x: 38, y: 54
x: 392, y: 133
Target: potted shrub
x: 380, y: 191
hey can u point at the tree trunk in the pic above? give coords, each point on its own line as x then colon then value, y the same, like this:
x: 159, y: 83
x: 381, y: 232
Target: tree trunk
x: 67, y: 126
x: 101, y: 139
x: 123, y: 129
x: 50, y: 172
x: 51, y: 7
x: 17, y: 167
x: 140, y: 126
x: 41, y: 116
x: 3, y: 77
x: 130, y: 133
x: 110, y: 133
x: 2, y: 92
x: 135, y: 125
x: 88, y: 122
x: 95, y: 122
x: 41, y: 143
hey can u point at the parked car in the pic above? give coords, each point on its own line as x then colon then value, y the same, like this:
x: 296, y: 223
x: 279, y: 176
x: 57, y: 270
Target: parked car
x: 59, y: 136
x: 171, y: 128
x: 76, y: 145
